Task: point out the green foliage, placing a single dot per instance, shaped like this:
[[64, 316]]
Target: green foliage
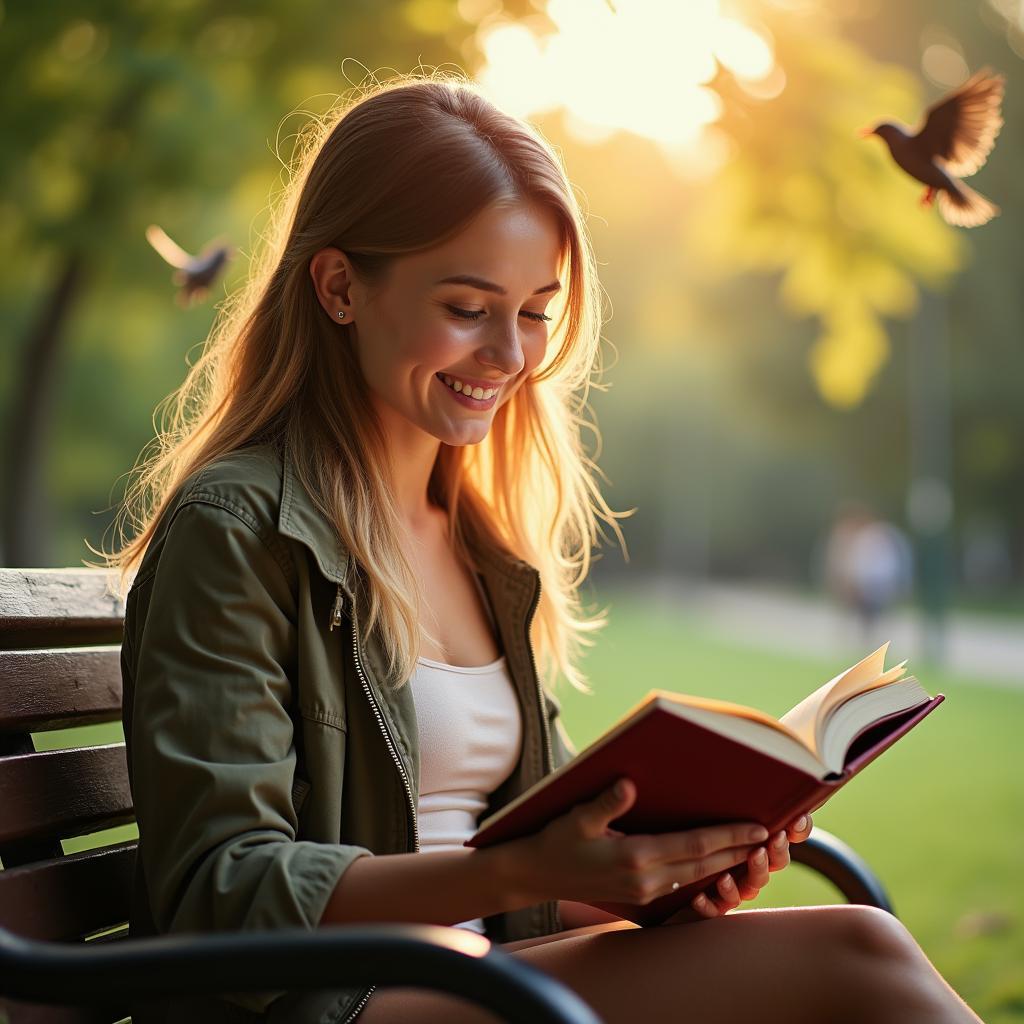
[[738, 301], [806, 196], [180, 114]]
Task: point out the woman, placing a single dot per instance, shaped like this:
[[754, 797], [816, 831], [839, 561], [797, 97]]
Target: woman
[[372, 511]]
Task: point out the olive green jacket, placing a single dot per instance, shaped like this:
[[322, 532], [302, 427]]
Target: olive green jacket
[[267, 749]]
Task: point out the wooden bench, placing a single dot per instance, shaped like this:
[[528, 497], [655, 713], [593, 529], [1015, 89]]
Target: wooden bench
[[65, 954]]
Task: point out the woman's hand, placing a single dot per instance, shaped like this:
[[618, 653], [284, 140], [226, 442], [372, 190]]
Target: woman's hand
[[727, 894], [579, 857]]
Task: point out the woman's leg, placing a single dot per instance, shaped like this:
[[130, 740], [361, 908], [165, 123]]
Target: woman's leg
[[838, 963]]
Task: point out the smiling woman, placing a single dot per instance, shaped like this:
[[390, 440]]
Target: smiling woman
[[384, 435], [417, 328]]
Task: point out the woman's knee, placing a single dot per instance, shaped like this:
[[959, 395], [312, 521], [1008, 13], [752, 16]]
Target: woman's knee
[[870, 930]]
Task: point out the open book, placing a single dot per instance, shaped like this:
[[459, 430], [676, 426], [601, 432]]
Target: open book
[[698, 761]]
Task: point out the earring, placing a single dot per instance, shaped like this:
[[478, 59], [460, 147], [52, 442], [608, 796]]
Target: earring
[[341, 314]]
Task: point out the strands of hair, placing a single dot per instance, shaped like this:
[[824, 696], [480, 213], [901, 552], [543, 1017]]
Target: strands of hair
[[393, 168]]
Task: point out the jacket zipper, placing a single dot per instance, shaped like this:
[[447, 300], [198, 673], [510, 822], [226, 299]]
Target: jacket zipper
[[336, 621], [549, 767], [336, 610], [354, 1012], [553, 918], [379, 716], [392, 749]]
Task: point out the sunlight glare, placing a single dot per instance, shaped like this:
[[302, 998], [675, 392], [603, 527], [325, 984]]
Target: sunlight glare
[[742, 50], [643, 68]]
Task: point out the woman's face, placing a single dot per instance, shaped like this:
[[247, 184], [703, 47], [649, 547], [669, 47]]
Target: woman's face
[[469, 312]]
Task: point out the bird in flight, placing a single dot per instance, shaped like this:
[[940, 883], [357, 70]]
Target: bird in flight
[[194, 275], [956, 138]]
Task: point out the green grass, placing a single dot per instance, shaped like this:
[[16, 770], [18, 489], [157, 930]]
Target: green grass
[[939, 817]]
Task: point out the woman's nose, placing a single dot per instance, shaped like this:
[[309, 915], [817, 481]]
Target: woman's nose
[[504, 353]]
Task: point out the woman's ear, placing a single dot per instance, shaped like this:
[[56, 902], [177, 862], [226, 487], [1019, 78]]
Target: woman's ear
[[332, 278]]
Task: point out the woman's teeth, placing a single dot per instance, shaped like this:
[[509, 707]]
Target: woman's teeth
[[457, 385]]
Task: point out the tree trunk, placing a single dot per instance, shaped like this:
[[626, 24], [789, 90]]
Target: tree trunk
[[27, 539]]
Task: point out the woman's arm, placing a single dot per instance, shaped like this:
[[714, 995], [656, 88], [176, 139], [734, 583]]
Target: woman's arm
[[211, 741], [446, 888], [580, 915]]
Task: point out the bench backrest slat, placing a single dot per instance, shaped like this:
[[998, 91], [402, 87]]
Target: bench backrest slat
[[31, 1013], [68, 897], [63, 606], [55, 689], [63, 793], [60, 637]]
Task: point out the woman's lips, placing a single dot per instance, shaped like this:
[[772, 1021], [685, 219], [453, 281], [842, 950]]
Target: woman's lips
[[466, 400]]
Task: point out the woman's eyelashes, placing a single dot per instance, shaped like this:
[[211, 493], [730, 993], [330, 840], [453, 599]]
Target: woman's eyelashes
[[475, 314]]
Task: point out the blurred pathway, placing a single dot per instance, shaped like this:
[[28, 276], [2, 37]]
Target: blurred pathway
[[978, 647]]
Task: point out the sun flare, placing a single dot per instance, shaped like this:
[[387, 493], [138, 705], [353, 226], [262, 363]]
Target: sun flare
[[643, 68]]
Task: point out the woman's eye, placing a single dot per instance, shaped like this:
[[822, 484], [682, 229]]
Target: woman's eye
[[475, 314]]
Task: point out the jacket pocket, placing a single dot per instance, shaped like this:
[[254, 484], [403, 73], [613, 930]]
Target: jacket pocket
[[334, 717]]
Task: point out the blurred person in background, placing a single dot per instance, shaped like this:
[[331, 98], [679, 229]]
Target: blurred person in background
[[868, 565]]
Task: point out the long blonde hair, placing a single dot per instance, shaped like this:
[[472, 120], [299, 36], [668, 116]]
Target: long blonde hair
[[405, 165]]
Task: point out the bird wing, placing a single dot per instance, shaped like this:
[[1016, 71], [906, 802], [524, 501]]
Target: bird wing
[[166, 246], [961, 128]]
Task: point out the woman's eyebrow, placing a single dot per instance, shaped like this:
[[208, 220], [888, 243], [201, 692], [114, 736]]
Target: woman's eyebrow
[[490, 286]]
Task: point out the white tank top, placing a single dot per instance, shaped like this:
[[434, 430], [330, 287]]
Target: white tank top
[[470, 733]]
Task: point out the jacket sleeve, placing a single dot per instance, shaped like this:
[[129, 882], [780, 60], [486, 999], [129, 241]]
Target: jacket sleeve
[[562, 747], [210, 745]]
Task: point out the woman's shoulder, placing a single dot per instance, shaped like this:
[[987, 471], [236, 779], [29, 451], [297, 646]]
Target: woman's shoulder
[[248, 481], [246, 484]]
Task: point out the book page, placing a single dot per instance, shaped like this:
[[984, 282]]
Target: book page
[[726, 707], [809, 718]]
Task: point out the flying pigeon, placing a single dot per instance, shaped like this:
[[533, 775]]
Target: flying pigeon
[[956, 138], [194, 274]]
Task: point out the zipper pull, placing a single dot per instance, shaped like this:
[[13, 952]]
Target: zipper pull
[[336, 610]]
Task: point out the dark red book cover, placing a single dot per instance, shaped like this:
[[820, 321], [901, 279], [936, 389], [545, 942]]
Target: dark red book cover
[[688, 776]]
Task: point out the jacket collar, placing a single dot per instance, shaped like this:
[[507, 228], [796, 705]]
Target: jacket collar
[[300, 519]]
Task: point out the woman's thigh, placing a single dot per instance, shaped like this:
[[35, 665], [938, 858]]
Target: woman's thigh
[[793, 964]]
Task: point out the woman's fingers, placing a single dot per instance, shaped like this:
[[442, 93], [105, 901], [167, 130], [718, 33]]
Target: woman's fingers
[[778, 852], [704, 906], [727, 893], [698, 845], [758, 867], [593, 816], [800, 828], [728, 897]]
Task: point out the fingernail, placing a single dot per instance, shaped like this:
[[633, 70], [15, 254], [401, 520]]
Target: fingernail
[[620, 789], [801, 823], [779, 841], [727, 881], [761, 856], [700, 900]]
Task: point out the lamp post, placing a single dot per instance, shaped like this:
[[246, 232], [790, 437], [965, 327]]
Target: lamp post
[[930, 491]]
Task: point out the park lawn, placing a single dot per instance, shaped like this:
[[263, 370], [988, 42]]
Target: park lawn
[[938, 817]]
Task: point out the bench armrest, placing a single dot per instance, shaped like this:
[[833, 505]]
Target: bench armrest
[[447, 960], [843, 867]]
